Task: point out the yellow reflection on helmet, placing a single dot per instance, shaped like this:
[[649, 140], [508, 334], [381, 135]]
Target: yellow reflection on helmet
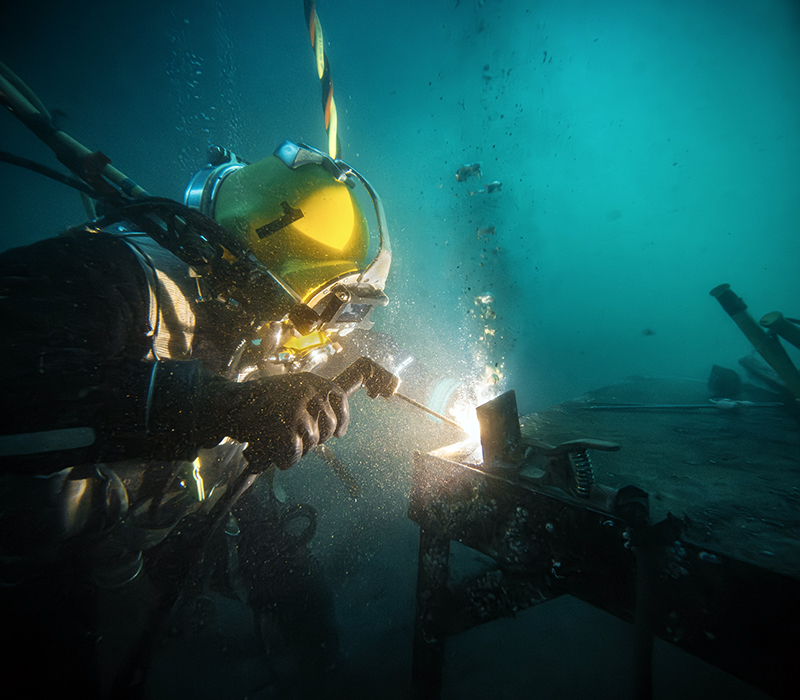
[[305, 226], [328, 216]]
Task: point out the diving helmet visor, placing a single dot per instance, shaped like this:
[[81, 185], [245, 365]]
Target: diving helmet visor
[[307, 232], [296, 156]]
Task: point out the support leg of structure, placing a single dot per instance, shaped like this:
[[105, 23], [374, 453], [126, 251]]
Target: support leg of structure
[[430, 623]]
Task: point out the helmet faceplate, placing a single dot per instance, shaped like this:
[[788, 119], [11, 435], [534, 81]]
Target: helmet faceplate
[[304, 226]]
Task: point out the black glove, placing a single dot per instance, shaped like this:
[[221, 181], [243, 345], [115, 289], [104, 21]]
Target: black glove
[[281, 417]]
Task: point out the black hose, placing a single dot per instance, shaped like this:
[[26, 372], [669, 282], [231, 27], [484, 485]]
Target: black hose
[[200, 224], [21, 162], [192, 236]]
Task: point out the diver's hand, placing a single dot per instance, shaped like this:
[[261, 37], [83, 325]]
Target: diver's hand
[[283, 417], [280, 417]]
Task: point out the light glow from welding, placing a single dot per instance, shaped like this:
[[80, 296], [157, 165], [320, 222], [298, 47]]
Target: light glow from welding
[[464, 410], [464, 413]]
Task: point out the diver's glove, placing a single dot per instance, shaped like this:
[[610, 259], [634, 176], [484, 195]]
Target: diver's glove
[[280, 417]]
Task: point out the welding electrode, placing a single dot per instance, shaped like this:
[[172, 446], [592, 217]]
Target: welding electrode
[[421, 407]]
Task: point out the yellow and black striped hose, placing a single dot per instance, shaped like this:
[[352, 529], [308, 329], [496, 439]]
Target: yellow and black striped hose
[[324, 74]]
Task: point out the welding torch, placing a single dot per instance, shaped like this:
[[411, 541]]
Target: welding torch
[[380, 382], [363, 372]]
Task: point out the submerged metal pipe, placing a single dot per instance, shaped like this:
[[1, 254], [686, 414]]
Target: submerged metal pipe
[[723, 405], [777, 323], [768, 346]]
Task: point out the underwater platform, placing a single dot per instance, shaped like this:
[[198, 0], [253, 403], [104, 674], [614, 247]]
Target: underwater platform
[[644, 499], [709, 496]]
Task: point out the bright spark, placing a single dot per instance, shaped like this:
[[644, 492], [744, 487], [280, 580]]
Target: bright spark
[[464, 413]]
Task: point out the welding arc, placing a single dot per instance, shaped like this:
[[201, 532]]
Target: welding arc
[[431, 412]]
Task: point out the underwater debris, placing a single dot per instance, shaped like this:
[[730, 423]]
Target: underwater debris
[[465, 171], [485, 231], [492, 375], [484, 299], [469, 169], [724, 383], [648, 331]]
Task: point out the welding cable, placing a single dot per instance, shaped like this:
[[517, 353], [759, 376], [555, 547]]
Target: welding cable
[[35, 167], [324, 74], [94, 168]]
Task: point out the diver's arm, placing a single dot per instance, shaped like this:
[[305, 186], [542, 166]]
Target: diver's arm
[[75, 315]]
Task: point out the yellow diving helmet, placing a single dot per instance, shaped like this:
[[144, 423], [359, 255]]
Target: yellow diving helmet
[[295, 212]]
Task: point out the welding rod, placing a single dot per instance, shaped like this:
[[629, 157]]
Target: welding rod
[[430, 411]]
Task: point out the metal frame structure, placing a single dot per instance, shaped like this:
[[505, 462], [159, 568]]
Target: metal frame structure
[[534, 509]]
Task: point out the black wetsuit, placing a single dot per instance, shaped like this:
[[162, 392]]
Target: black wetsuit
[[80, 603]]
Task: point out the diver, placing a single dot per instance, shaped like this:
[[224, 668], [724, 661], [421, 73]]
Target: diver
[[156, 361], [159, 362]]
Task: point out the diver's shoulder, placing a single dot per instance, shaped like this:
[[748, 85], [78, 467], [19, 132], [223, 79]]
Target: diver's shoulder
[[69, 249]]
